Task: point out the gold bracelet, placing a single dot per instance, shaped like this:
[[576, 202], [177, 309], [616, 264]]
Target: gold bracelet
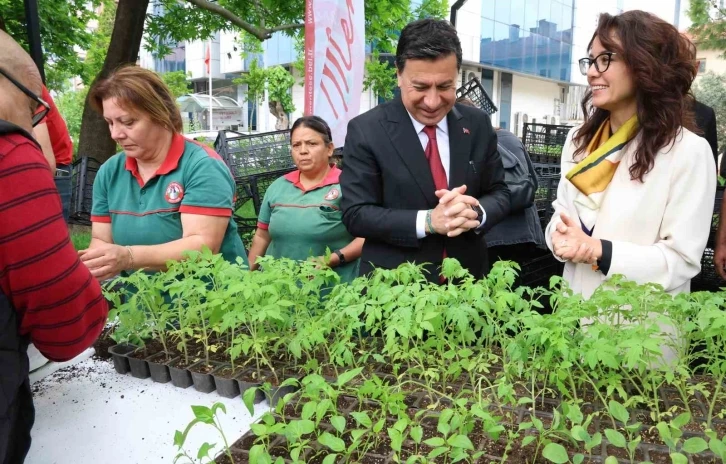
[[131, 255]]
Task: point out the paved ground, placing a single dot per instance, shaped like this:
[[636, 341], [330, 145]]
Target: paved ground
[[89, 414]]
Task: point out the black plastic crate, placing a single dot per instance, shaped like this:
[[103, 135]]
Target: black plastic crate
[[546, 170], [474, 91], [538, 271], [250, 154], [544, 142], [544, 196], [83, 173], [250, 193]]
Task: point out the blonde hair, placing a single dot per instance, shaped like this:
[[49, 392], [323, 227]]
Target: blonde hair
[[139, 89]]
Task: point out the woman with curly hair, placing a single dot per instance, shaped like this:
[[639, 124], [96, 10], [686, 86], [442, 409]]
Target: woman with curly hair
[[637, 192]]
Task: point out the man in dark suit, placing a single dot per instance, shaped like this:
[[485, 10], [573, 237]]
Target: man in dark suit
[[422, 178], [706, 121]]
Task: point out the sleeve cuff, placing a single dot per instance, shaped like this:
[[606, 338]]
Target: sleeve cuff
[[205, 211], [102, 219], [421, 224], [262, 225], [605, 260]]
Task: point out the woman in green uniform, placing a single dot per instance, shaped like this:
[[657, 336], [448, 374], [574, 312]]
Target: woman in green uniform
[[162, 195], [300, 216]]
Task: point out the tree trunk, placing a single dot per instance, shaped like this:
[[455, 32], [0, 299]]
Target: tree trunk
[[283, 122], [95, 139]]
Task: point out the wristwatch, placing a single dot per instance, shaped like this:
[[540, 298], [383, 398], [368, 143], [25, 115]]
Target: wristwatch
[[479, 213], [341, 257]]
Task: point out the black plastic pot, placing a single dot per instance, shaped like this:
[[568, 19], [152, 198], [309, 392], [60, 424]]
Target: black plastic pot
[[277, 393], [119, 354], [158, 368], [139, 367], [245, 385], [226, 386], [180, 377], [203, 382]]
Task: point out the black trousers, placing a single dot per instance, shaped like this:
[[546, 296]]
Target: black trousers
[[16, 425]]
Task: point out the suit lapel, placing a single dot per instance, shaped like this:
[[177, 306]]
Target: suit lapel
[[459, 148], [404, 139]]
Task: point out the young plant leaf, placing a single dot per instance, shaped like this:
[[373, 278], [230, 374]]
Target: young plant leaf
[[555, 453], [695, 445], [618, 411], [416, 433], [615, 438], [332, 442], [460, 441], [204, 414], [362, 419], [204, 450], [435, 441], [338, 423], [578, 458], [248, 398], [678, 458], [528, 440], [330, 459]]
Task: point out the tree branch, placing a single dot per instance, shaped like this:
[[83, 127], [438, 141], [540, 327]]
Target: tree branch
[[260, 33], [285, 27]]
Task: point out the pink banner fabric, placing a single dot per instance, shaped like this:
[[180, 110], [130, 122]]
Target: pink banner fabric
[[334, 62]]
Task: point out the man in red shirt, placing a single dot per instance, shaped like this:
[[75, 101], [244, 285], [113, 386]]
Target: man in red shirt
[[47, 296], [55, 141]]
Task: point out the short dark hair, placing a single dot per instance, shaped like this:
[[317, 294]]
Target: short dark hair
[[315, 123], [427, 39]]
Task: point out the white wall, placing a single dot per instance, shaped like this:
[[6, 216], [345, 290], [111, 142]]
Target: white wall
[[534, 97], [229, 59], [196, 52]]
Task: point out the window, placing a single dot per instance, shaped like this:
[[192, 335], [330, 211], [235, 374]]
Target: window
[[701, 65]]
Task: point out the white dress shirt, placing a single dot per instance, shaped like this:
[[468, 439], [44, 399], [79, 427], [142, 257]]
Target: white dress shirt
[[442, 140]]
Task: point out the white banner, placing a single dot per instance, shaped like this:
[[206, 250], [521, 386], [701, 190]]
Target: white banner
[[334, 62]]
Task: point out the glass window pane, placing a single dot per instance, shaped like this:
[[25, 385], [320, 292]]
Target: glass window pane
[[543, 52], [501, 40], [516, 48], [566, 17], [486, 48], [516, 15], [501, 12], [529, 53], [543, 12], [487, 8], [556, 15], [530, 15]]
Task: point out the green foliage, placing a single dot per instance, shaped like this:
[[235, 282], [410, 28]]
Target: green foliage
[[710, 89], [80, 240], [62, 28], [177, 82], [99, 42], [471, 355], [380, 77], [708, 26], [279, 85], [70, 105], [256, 80]]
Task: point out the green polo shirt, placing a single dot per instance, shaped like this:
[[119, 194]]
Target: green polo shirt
[[193, 179], [303, 223]]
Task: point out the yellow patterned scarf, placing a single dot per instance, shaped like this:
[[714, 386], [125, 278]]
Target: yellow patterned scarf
[[593, 174]]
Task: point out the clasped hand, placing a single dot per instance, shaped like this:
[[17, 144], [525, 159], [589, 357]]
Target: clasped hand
[[454, 214], [571, 243]]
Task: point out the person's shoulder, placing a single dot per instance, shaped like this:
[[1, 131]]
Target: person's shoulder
[[688, 141], [374, 114], [17, 149]]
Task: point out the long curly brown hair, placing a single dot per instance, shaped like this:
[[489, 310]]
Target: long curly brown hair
[[662, 63]]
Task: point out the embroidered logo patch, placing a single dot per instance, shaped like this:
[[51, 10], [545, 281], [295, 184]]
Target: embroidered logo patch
[[174, 192], [332, 194]]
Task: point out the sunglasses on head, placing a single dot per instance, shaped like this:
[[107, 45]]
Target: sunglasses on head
[[39, 115]]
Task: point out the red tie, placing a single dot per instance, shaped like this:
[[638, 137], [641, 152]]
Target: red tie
[[432, 154], [436, 166]]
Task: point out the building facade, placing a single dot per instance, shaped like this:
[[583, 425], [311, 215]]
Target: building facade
[[525, 53]]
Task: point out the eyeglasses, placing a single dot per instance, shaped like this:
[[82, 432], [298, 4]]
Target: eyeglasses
[[601, 62], [38, 115]]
